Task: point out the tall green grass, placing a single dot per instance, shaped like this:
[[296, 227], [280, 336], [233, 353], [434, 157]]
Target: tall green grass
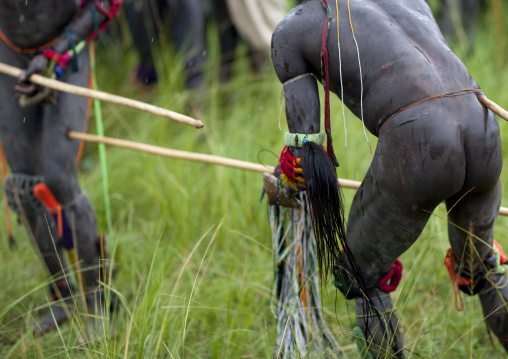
[[193, 257]]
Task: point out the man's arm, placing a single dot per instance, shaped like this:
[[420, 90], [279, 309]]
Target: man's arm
[[300, 87], [94, 16]]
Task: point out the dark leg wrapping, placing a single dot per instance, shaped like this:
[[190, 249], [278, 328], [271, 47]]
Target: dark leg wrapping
[[378, 333], [18, 189], [378, 321], [488, 280]]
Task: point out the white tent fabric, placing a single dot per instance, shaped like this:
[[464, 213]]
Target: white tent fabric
[[256, 20]]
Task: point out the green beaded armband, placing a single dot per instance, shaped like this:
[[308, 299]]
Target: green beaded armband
[[296, 139]]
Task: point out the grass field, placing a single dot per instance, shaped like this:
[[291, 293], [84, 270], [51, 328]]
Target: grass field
[[191, 241]]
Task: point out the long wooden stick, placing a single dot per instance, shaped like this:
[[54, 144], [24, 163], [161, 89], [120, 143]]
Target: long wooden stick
[[168, 152], [103, 96], [498, 110], [184, 155], [200, 157]]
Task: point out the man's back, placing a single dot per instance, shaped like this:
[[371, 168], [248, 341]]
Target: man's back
[[404, 58]]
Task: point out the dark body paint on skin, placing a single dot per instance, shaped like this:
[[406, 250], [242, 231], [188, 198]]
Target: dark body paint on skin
[[436, 151], [35, 138]]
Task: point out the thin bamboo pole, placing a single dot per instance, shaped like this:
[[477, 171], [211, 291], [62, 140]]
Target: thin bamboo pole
[[184, 155], [103, 96], [200, 157], [168, 152], [491, 105]]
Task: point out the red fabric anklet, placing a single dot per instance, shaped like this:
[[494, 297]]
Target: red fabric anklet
[[393, 276]]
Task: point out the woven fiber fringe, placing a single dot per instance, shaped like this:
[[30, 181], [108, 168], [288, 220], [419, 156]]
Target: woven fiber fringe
[[301, 331]]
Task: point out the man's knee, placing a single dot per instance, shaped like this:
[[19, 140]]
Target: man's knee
[[64, 186], [350, 287]]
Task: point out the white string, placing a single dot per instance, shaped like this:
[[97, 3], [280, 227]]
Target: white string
[[280, 103], [361, 92], [282, 93], [361, 78], [340, 77], [342, 96]]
